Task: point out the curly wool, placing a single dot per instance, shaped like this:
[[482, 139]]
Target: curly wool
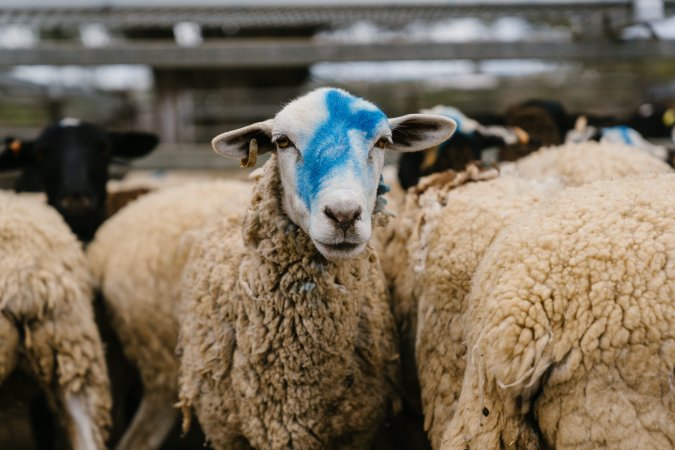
[[399, 268], [587, 162], [46, 316], [137, 258], [439, 240], [282, 348], [572, 316], [454, 228]]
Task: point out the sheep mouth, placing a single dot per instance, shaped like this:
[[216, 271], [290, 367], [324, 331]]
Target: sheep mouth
[[340, 250], [341, 246]]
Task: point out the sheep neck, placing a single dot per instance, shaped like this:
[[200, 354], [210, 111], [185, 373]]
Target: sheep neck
[[298, 298]]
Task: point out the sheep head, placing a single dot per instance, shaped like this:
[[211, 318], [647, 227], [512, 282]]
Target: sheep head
[[330, 147], [69, 160]]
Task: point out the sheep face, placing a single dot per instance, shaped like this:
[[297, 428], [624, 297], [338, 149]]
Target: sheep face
[[330, 147], [69, 161]]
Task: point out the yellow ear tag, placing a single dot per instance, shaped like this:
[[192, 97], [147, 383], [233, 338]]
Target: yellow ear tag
[[252, 157], [669, 117], [522, 135], [15, 147], [430, 156]]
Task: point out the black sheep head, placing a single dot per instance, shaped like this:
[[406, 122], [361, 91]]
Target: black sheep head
[[69, 162]]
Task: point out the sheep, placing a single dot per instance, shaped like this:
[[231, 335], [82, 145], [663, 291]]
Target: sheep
[[654, 120], [69, 161], [440, 237], [137, 258], [571, 325], [454, 218], [47, 328], [581, 163], [545, 121], [621, 134], [465, 146], [287, 339]]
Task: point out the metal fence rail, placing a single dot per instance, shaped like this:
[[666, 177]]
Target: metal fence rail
[[300, 53], [317, 16]]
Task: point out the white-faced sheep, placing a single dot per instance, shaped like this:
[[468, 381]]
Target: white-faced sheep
[[465, 146], [571, 325], [137, 257], [154, 226], [47, 327], [288, 340], [617, 134]]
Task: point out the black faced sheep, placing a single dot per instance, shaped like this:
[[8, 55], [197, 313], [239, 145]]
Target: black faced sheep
[[69, 161]]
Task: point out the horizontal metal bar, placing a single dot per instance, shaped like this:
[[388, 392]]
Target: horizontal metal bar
[[300, 53], [279, 15]]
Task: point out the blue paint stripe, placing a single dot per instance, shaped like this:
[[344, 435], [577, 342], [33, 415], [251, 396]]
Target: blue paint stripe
[[329, 152]]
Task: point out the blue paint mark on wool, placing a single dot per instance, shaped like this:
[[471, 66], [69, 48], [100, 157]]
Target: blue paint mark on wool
[[330, 147], [623, 131], [382, 188]]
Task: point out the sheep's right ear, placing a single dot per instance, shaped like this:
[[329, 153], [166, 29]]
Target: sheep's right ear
[[16, 153], [246, 143]]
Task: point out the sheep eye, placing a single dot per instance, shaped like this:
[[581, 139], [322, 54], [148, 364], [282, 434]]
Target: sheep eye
[[382, 142], [283, 142]]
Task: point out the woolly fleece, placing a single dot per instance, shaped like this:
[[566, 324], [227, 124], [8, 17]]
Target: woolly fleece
[[281, 348], [587, 162], [138, 256], [572, 317], [453, 231], [46, 317]]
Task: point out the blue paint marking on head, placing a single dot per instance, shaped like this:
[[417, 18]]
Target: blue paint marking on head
[[330, 148]]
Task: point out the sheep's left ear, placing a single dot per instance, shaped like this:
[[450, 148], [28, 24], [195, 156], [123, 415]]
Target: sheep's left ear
[[132, 144], [416, 132]]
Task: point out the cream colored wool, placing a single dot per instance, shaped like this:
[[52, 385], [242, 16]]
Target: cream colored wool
[[454, 228], [572, 317], [399, 270], [138, 257], [587, 162], [383, 236], [282, 348], [47, 323], [437, 244]]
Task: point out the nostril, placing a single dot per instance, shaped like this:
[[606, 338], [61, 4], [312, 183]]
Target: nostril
[[343, 219], [328, 212], [77, 202]]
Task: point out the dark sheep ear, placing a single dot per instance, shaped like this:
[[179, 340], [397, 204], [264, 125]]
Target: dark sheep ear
[[16, 153], [132, 144]]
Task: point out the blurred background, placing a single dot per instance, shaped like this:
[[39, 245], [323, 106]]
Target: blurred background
[[190, 70]]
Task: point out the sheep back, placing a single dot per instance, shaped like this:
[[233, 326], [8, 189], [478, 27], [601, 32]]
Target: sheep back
[[572, 317], [138, 257], [454, 230], [46, 310], [587, 162]]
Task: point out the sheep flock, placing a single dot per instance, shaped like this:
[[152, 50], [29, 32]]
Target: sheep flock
[[509, 285]]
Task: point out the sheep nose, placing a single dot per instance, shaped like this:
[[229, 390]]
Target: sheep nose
[[76, 203], [343, 218]]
